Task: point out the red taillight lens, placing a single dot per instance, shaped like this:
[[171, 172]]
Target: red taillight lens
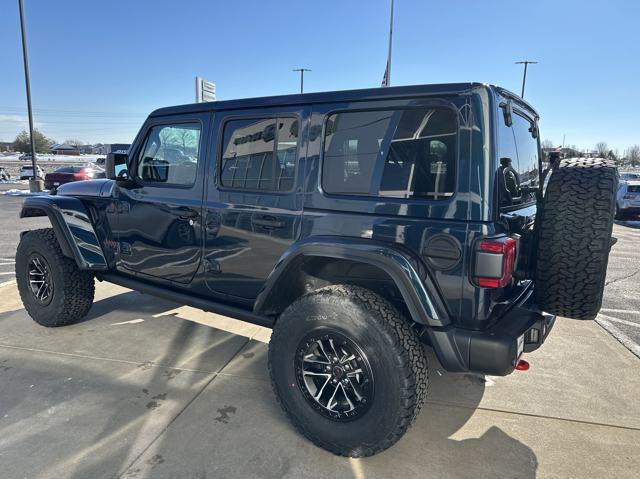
[[495, 262]]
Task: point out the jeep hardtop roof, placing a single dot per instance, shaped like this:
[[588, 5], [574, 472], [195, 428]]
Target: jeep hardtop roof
[[337, 96]]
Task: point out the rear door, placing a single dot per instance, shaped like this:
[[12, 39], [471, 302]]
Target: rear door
[[253, 207], [159, 223]]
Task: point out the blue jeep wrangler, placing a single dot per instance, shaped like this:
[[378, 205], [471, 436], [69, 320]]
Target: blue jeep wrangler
[[361, 226]]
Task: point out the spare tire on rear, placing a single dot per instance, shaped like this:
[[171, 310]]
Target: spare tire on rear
[[574, 237]]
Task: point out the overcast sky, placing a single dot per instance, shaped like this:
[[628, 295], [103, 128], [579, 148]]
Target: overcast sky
[[98, 68]]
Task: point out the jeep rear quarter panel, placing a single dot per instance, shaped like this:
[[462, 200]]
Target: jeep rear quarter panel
[[418, 224]]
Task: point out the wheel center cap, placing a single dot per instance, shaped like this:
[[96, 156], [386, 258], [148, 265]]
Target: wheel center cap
[[338, 372]]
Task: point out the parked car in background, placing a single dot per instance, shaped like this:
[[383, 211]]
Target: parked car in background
[[68, 174], [629, 176], [628, 198], [25, 157], [26, 172]]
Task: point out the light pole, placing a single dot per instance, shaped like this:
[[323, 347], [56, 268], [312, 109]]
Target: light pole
[[301, 70], [34, 184], [524, 78]]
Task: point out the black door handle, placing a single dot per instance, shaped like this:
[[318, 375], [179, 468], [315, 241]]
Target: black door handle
[[268, 222]]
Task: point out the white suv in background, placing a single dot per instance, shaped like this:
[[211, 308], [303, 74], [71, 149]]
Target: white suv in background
[[26, 172]]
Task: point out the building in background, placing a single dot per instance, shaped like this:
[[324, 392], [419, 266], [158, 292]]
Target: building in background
[[64, 149]]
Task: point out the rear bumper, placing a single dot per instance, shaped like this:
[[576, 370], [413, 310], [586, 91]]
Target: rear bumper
[[495, 350]]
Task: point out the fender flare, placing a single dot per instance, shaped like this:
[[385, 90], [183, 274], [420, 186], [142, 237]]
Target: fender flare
[[418, 290], [73, 228]]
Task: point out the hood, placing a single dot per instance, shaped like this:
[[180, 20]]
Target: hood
[[99, 187]]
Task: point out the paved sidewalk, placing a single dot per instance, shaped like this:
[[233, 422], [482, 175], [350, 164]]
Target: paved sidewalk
[[146, 389]]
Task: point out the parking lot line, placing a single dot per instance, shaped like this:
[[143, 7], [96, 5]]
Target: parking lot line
[[619, 335], [621, 321], [627, 311]]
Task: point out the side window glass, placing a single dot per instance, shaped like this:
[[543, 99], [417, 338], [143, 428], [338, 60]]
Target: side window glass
[[414, 150], [518, 173], [170, 155], [259, 154], [528, 158]]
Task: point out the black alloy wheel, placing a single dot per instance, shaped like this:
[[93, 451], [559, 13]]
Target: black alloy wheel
[[334, 375], [39, 277]]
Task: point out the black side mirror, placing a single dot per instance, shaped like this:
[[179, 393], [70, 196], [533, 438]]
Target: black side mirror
[[116, 166], [506, 112]]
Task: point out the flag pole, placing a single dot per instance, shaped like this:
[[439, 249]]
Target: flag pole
[[386, 80]]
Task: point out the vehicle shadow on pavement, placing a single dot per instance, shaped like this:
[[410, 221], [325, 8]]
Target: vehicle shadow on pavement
[[456, 442], [199, 404]]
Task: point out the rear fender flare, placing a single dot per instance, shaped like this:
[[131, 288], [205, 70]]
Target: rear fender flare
[[73, 228], [418, 290]]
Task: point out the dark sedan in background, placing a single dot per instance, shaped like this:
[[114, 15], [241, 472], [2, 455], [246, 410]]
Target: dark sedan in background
[[72, 173]]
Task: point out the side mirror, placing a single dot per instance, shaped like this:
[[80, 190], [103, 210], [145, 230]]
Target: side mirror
[[116, 166]]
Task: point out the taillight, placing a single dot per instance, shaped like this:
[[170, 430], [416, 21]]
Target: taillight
[[494, 262], [83, 174]]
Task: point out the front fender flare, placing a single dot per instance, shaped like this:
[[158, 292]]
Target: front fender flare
[[73, 228], [418, 290]]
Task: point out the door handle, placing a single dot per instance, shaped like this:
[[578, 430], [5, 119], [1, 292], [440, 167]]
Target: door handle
[[268, 222]]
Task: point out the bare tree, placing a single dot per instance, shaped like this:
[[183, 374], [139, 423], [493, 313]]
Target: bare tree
[[633, 155], [74, 142], [548, 144], [602, 148]]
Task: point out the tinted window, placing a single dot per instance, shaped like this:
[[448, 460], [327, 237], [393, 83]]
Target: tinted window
[[518, 172], [170, 155], [528, 159], [68, 169], [634, 189], [392, 153], [259, 154]]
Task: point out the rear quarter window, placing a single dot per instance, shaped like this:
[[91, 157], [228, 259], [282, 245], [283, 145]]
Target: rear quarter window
[[409, 153]]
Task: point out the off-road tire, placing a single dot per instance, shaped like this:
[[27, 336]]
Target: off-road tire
[[73, 289], [396, 355], [574, 237]]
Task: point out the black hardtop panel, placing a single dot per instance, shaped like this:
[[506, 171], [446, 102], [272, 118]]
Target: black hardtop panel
[[322, 97]]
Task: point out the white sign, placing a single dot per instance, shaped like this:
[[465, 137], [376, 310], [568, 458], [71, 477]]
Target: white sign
[[205, 90]]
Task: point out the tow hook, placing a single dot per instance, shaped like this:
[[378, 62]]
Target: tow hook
[[522, 365]]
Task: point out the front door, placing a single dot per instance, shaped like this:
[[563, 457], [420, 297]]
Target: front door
[[253, 208], [159, 214]]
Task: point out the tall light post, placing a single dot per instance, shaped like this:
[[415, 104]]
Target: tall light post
[[386, 79], [34, 184], [301, 70], [526, 63]]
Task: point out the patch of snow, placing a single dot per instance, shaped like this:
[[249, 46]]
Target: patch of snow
[[16, 192]]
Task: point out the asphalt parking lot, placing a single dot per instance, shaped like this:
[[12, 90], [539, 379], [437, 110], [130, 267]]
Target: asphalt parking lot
[[144, 388]]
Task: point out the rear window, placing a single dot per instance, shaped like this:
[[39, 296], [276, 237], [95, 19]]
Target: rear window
[[391, 153], [68, 169], [633, 188]]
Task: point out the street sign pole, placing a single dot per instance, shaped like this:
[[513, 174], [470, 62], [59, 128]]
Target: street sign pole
[[205, 90], [34, 183]]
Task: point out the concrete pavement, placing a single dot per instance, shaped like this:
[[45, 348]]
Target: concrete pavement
[[147, 389]]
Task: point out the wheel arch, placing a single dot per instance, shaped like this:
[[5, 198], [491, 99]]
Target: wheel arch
[[72, 226], [316, 262]]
